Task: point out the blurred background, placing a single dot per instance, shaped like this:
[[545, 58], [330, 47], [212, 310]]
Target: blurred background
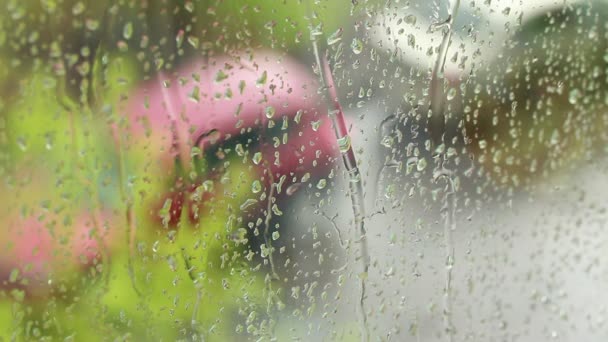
[[332, 170]]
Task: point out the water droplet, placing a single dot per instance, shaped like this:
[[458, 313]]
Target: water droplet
[[22, 143], [356, 46], [554, 138], [14, 275], [257, 158], [280, 183], [262, 80], [276, 210], [411, 40], [387, 141], [275, 236], [410, 19], [239, 150], [315, 125], [298, 116], [573, 96], [248, 203], [92, 24], [389, 191], [127, 31], [179, 38], [321, 184], [451, 94], [306, 177], [361, 92], [316, 31], [194, 95], [220, 76], [189, 6], [78, 8], [344, 143], [165, 212], [193, 41], [421, 165], [49, 141], [335, 37], [256, 186], [293, 188], [208, 186], [269, 111]]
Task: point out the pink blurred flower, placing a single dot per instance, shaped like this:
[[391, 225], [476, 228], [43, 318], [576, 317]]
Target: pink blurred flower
[[39, 251]]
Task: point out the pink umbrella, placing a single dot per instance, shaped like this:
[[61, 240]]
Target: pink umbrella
[[207, 102]]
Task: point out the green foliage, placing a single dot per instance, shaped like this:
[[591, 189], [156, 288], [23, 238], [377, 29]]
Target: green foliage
[[164, 283]]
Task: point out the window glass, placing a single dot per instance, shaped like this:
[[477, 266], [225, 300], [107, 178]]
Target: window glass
[[357, 170]]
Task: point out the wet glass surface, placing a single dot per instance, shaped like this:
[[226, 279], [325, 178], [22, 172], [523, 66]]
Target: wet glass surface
[[303, 170]]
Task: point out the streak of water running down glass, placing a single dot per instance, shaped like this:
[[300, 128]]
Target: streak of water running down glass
[[354, 175], [436, 86], [449, 225], [437, 127]]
